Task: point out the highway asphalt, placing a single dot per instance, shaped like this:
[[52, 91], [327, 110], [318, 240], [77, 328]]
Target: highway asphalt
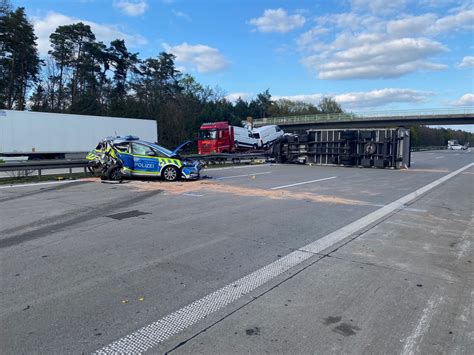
[[255, 259]]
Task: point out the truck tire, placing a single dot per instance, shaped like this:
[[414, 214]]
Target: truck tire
[[170, 173]]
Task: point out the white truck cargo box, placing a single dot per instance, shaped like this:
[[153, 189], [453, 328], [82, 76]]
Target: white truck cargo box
[[27, 132]]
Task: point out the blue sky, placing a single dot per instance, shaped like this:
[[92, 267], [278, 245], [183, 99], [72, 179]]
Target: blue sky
[[368, 54]]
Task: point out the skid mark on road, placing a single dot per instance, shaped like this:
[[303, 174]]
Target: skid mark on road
[[56, 224], [187, 187]]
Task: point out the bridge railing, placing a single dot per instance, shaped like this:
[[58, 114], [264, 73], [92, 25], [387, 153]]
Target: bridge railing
[[369, 115]]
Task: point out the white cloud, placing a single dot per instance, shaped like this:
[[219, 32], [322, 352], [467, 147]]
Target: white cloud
[[367, 46], [131, 7], [310, 36], [200, 57], [467, 62], [433, 3], [465, 100], [307, 98], [463, 20], [431, 24], [382, 97], [181, 14], [365, 99], [351, 21], [277, 20], [232, 97], [384, 59], [379, 6], [106, 33], [411, 24]]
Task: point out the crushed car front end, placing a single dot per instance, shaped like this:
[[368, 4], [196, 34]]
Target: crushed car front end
[[191, 169]]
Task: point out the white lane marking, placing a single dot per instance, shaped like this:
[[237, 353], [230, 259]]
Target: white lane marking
[[409, 209], [242, 167], [465, 244], [405, 208], [39, 184], [157, 332], [303, 183], [464, 248], [191, 194], [422, 327], [244, 175], [440, 157]]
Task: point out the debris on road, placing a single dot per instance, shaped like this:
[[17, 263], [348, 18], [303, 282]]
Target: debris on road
[[181, 188]]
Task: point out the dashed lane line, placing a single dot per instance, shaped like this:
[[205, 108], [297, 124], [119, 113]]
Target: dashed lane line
[[303, 183]]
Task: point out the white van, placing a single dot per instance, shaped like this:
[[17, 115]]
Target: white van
[[244, 139], [458, 147], [267, 135]]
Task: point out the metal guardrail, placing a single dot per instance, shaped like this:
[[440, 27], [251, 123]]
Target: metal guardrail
[[40, 165], [233, 157], [43, 165], [370, 115]]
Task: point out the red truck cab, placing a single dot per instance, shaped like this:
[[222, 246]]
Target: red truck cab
[[216, 137]]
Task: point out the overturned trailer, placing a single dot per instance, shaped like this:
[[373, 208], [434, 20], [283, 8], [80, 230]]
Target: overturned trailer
[[379, 148]]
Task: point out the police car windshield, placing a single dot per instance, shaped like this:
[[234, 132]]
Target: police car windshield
[[161, 149]]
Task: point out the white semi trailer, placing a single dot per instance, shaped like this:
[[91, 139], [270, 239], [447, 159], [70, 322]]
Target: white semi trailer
[[40, 135]]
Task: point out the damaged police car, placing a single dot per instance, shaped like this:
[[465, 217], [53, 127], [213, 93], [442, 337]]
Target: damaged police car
[[118, 157]]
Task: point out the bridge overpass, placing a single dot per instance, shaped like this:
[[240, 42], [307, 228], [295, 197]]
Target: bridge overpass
[[374, 119]]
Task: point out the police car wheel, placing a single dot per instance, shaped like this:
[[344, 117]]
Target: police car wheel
[[114, 173], [170, 173]]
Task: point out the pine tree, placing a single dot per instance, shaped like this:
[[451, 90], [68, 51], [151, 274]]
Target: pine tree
[[19, 60], [5, 7], [123, 62]]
